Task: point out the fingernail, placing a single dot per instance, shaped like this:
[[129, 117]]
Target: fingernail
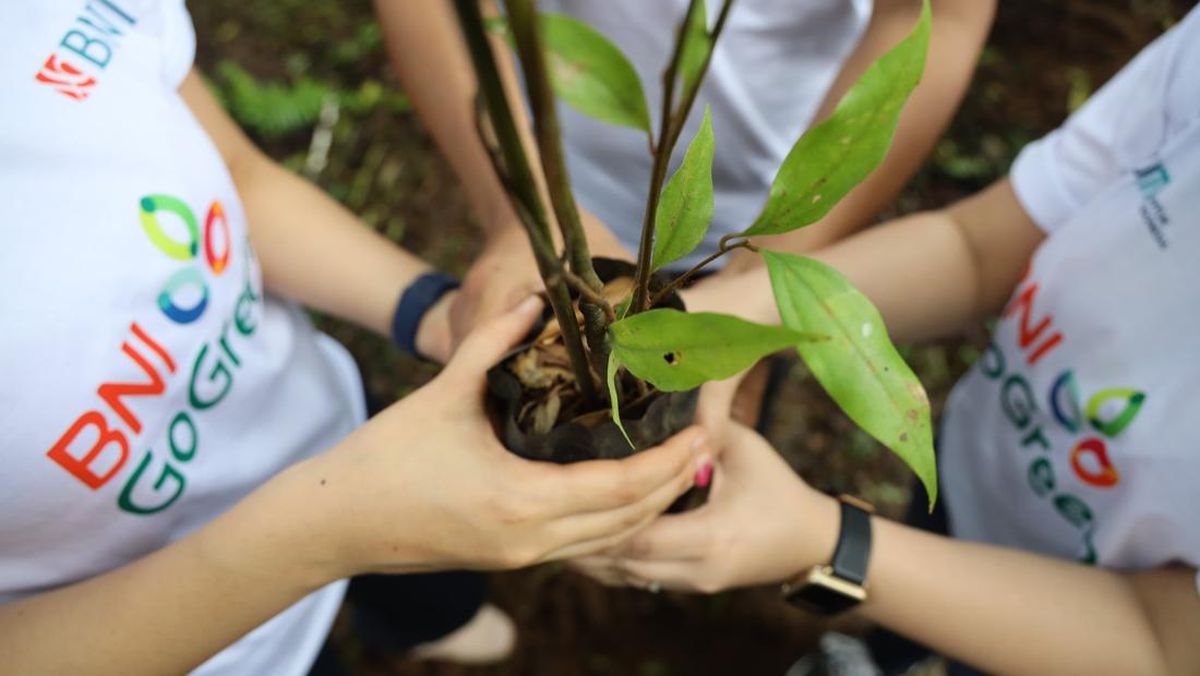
[[704, 474], [700, 440]]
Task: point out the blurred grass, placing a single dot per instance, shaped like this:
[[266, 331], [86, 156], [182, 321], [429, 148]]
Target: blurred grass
[[294, 72]]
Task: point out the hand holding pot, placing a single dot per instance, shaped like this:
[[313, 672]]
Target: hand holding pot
[[505, 272], [738, 399], [426, 484], [761, 524], [502, 274], [435, 337]]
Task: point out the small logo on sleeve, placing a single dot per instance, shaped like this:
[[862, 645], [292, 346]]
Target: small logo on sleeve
[[1150, 182], [86, 49]]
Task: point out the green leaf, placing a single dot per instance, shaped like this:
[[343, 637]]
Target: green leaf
[[859, 367], [686, 205], [588, 72], [622, 308], [676, 351], [696, 44], [833, 157], [614, 396]]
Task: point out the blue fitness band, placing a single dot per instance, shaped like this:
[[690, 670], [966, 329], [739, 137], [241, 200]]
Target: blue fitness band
[[416, 300]]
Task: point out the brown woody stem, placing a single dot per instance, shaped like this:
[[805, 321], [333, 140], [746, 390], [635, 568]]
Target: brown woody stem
[[526, 31], [523, 191], [670, 127], [689, 96], [658, 171], [588, 294]]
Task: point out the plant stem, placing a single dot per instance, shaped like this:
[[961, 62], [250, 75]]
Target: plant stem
[[670, 127], [526, 31], [589, 295], [590, 299], [658, 171], [689, 96], [523, 191], [683, 279]]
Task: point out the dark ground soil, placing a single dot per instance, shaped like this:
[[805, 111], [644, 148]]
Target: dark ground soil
[[1045, 56]]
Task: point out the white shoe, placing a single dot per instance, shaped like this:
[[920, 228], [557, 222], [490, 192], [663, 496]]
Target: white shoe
[[488, 638]]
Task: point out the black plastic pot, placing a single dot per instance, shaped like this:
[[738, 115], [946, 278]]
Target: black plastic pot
[[593, 435]]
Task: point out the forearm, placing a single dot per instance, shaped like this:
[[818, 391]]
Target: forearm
[[930, 274], [915, 270], [313, 250], [170, 610], [1007, 611], [310, 248], [431, 61], [1000, 610]]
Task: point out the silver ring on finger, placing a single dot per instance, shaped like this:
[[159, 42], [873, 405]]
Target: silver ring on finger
[[654, 587]]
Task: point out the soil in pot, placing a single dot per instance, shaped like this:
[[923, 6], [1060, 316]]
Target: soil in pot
[[539, 415]]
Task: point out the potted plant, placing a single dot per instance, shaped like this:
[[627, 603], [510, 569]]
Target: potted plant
[[618, 362]]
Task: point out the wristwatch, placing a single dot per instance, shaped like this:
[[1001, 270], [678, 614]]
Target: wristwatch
[[841, 584]]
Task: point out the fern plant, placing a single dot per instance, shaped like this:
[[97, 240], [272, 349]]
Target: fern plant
[[269, 109]]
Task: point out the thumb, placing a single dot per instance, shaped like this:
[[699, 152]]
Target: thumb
[[716, 402], [484, 346]]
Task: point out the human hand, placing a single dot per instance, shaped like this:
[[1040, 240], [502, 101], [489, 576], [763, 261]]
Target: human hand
[[761, 524], [434, 335], [506, 271], [738, 398], [426, 485], [503, 273]]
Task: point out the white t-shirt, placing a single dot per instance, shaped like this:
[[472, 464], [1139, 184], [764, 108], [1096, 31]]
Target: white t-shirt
[[1073, 435], [773, 66], [149, 382]]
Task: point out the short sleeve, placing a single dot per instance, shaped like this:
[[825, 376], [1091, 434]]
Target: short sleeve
[[1120, 129], [178, 43]]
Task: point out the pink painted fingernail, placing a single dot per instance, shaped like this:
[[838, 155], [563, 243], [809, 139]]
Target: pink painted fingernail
[[704, 474]]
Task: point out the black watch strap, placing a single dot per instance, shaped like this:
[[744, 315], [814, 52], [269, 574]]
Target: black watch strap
[[854, 542]]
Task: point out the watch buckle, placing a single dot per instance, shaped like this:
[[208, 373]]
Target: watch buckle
[[823, 576], [857, 502]]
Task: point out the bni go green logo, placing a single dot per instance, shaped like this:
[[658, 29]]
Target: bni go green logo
[[185, 294]]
